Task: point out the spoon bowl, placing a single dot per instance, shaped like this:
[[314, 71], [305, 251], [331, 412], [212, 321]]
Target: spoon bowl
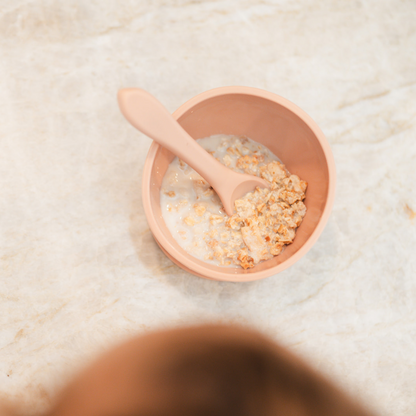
[[285, 130]]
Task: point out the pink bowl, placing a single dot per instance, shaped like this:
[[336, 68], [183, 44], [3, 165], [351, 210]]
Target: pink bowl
[[268, 119]]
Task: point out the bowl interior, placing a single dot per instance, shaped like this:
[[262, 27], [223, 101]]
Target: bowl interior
[[273, 125]]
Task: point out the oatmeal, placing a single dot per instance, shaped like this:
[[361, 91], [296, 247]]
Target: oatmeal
[[264, 221]]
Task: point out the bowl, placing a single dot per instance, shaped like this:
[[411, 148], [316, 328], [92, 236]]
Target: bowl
[[279, 125]]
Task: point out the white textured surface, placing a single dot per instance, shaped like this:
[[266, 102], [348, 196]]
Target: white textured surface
[[79, 267]]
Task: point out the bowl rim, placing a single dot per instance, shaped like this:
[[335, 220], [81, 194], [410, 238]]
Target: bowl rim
[[240, 275]]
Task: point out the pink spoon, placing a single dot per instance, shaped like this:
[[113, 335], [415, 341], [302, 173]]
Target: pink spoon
[[148, 115]]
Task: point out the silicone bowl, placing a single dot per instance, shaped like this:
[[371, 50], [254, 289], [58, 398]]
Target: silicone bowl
[[268, 119]]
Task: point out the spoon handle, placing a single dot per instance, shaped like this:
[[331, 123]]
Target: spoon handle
[[149, 116]]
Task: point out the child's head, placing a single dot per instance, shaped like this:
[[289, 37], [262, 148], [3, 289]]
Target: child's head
[[209, 370]]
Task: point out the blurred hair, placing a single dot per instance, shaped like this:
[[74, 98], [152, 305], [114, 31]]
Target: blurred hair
[[233, 375], [207, 370]]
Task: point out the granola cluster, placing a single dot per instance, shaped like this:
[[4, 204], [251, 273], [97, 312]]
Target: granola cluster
[[265, 220]]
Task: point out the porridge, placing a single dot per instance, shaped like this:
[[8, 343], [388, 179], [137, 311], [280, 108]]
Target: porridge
[[264, 221]]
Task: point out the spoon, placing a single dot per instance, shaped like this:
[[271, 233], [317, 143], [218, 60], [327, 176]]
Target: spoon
[[148, 115]]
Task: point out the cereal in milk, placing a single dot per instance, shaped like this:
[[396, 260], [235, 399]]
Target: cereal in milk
[[264, 221]]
